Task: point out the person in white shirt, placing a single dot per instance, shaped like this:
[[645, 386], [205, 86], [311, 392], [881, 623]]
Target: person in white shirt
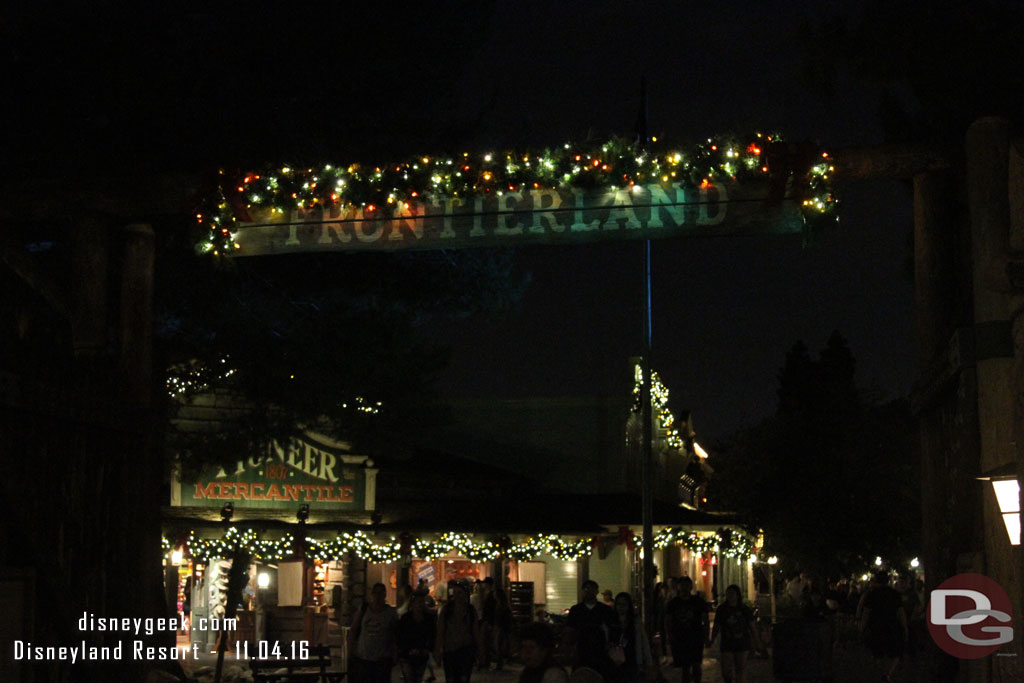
[[795, 588], [372, 639]]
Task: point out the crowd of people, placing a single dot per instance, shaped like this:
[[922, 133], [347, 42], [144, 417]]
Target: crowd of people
[[469, 630], [602, 640], [599, 640], [886, 616]]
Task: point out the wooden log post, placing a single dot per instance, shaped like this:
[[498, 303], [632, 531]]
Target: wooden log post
[[945, 397], [988, 198], [89, 266], [137, 314], [935, 242], [143, 465], [1016, 314]]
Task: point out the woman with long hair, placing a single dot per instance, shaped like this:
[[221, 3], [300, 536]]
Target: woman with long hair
[[629, 647], [735, 621]]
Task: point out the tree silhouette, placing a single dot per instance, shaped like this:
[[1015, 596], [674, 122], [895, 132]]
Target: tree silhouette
[[831, 478]]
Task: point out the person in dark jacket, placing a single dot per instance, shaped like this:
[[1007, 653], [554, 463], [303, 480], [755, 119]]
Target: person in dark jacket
[[590, 620], [458, 636], [416, 637], [884, 623], [687, 627], [502, 626]]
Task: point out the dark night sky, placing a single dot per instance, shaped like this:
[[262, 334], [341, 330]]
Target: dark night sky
[[105, 88], [725, 309]]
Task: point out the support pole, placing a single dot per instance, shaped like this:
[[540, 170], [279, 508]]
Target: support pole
[[647, 454]]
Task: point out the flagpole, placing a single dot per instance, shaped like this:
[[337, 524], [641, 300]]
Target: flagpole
[[647, 433], [647, 462]]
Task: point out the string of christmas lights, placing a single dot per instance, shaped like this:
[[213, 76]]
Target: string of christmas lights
[[659, 405], [552, 545], [207, 549], [204, 550], [186, 379], [359, 543], [729, 543], [378, 191], [476, 552]]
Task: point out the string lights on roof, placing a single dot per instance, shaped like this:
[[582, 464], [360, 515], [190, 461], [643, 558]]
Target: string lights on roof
[[382, 191], [205, 549], [358, 543], [187, 379], [730, 543]]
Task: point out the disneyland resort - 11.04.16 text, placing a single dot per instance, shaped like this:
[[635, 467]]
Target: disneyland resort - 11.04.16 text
[[137, 649]]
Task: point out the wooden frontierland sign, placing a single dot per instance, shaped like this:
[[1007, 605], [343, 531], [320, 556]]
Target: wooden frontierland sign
[[518, 218]]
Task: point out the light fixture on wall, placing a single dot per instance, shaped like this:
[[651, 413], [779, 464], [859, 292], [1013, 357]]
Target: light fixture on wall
[[303, 513], [1007, 490]]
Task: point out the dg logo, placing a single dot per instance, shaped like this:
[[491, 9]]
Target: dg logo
[[970, 616]]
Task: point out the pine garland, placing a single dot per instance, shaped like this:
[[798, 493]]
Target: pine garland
[[617, 163]]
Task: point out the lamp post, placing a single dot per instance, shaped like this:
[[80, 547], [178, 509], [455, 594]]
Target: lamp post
[[1007, 489], [262, 582], [772, 561]]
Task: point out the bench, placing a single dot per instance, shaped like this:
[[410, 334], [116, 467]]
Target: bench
[[313, 668]]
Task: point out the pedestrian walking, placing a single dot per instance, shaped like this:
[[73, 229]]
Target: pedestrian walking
[[372, 639], [658, 647], [687, 628], [735, 622], [488, 619], [883, 624], [630, 649], [796, 587], [502, 627], [458, 636], [537, 650], [404, 597], [416, 637], [592, 658], [589, 622]]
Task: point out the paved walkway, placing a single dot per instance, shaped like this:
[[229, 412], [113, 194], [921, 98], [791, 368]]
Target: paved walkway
[[851, 665]]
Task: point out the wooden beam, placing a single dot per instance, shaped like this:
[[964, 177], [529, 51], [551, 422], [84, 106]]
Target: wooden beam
[[29, 269], [890, 161]]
